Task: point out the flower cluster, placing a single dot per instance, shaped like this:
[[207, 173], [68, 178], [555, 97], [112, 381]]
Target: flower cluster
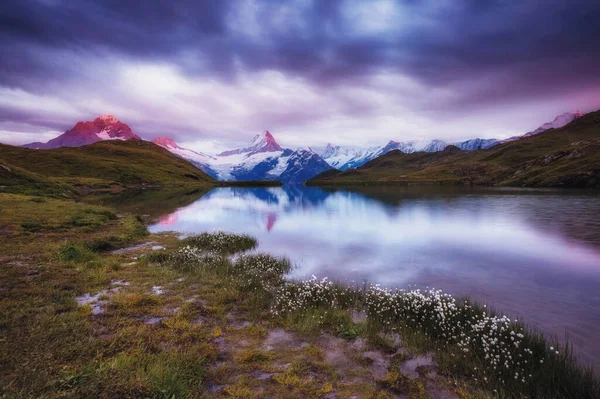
[[221, 242], [313, 293], [193, 258], [261, 271], [498, 342]]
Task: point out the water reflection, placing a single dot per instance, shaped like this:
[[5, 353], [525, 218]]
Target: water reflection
[[530, 253]]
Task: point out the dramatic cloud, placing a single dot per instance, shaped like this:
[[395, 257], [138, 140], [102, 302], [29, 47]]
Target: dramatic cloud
[[213, 73]]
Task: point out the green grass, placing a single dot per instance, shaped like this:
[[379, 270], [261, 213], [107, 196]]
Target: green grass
[[100, 166], [566, 157]]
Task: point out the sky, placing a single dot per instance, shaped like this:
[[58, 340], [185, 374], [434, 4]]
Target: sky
[[211, 74]]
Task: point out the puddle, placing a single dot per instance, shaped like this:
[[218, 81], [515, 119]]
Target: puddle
[[132, 248], [158, 290], [96, 305], [261, 376], [128, 264], [97, 309], [151, 321], [333, 348], [173, 310], [88, 298], [157, 247], [120, 282], [409, 368], [278, 337], [380, 364]]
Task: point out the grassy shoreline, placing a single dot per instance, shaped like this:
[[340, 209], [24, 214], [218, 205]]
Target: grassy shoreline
[[92, 305]]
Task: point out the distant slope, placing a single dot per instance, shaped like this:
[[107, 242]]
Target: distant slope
[[565, 157], [104, 164]]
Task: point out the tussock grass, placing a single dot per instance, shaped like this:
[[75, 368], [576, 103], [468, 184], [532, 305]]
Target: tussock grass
[[221, 243]]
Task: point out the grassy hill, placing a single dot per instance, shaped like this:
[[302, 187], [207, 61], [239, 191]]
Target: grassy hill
[[566, 157], [69, 171]]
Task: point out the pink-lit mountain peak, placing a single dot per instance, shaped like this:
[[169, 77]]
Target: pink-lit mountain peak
[[263, 142], [107, 119], [170, 144], [166, 142], [105, 127], [558, 122]]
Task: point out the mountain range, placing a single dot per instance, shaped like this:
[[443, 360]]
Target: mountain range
[[349, 158], [567, 156], [265, 159]]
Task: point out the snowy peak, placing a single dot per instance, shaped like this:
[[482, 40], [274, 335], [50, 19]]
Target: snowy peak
[[170, 144], [476, 144], [110, 128], [558, 122], [329, 151], [107, 119], [263, 142], [166, 142]]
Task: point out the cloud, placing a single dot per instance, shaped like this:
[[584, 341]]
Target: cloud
[[353, 71]]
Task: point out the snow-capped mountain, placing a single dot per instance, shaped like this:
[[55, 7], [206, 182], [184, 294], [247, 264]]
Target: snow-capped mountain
[[260, 143], [476, 144], [105, 127], [263, 159], [349, 158], [558, 122], [303, 165]]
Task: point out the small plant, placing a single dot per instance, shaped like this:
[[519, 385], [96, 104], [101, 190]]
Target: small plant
[[222, 243], [347, 332], [71, 252]]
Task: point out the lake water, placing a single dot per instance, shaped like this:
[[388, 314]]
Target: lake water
[[530, 253]]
